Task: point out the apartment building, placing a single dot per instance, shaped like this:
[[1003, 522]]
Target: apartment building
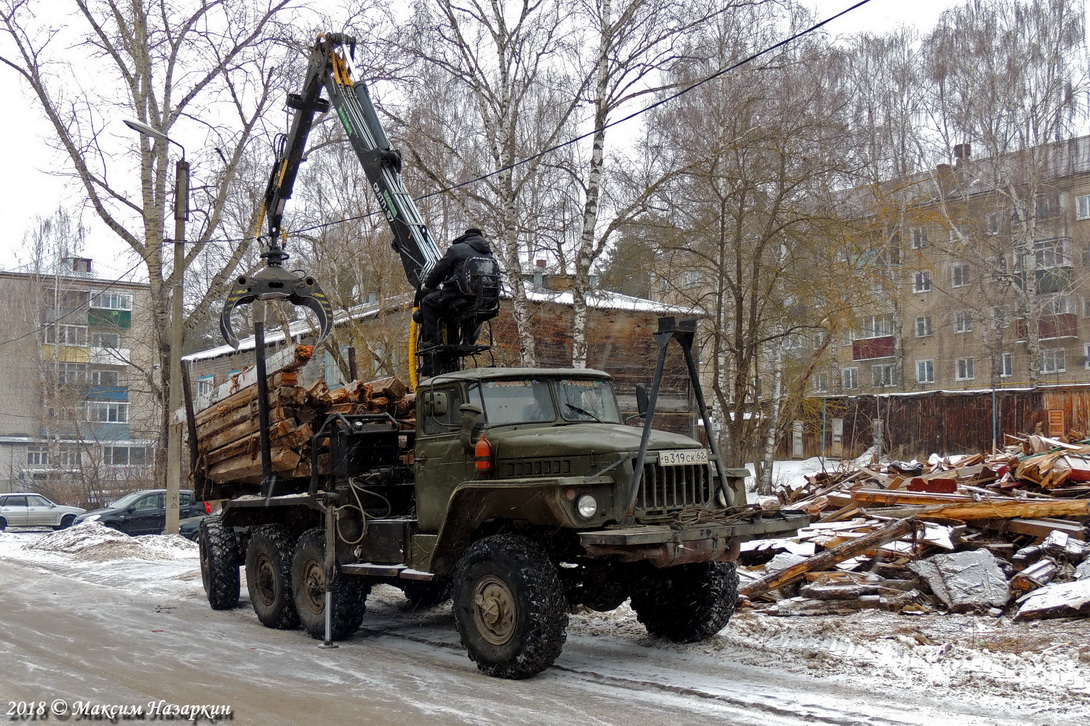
[[979, 286], [77, 419]]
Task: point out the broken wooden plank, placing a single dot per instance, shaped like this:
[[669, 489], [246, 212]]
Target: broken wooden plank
[[828, 558]]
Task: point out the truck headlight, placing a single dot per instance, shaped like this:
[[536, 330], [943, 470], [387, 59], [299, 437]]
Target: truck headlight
[[586, 506]]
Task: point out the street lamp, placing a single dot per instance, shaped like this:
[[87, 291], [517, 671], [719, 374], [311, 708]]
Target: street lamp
[[174, 396]]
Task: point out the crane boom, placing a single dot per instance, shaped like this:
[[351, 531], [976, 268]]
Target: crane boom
[[329, 69]]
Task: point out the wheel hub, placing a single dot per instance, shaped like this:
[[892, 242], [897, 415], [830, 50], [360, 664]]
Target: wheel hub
[[313, 585], [266, 580], [494, 610]]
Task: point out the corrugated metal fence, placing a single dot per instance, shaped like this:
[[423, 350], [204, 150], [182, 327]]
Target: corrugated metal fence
[[942, 422]]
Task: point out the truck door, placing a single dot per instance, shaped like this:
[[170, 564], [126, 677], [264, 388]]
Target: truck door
[[441, 461]]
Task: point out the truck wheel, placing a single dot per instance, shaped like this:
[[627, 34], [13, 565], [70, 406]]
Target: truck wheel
[[268, 576], [426, 595], [219, 563], [687, 603], [308, 580], [509, 606]]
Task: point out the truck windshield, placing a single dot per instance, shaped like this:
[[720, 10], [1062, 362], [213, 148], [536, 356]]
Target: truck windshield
[[587, 400], [513, 402]]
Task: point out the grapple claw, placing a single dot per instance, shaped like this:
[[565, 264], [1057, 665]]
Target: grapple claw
[[276, 283]]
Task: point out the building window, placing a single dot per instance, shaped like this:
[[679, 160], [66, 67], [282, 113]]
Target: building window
[[106, 378], [925, 371], [896, 255], [959, 234], [66, 334], [819, 339], [107, 411], [1058, 305], [37, 456], [923, 326], [821, 383], [205, 385], [1082, 206], [884, 375], [921, 281], [68, 373], [1006, 365], [850, 378], [963, 369], [1001, 317], [105, 340], [125, 456], [1050, 253], [1053, 360], [995, 223], [112, 301], [68, 457], [875, 326], [960, 274], [690, 279], [1047, 205], [919, 237], [963, 321]]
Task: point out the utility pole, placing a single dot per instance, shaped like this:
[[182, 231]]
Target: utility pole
[[174, 393]]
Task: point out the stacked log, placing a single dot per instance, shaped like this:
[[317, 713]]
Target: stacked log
[[228, 429]]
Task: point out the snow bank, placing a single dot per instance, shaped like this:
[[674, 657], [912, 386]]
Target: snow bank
[[97, 542]]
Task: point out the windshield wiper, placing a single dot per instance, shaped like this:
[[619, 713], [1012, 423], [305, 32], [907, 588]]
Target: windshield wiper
[[582, 411]]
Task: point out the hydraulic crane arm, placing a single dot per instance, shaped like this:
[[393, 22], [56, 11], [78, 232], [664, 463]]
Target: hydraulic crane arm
[[329, 68]]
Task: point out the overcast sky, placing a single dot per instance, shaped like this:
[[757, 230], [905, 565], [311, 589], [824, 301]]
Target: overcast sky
[[28, 190]]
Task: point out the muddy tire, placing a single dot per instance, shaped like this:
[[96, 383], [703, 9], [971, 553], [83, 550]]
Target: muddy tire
[[268, 576], [3, 524], [687, 603], [509, 607], [426, 595], [219, 563], [308, 581]]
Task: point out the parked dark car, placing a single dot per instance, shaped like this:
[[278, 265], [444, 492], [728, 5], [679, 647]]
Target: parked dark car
[[143, 512], [30, 509], [190, 527]]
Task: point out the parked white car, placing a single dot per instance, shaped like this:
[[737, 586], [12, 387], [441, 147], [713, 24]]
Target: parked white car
[[30, 509]]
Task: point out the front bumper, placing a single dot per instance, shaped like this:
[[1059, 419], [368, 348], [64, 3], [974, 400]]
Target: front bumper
[[678, 543]]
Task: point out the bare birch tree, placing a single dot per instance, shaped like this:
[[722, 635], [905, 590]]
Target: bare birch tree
[[192, 69]]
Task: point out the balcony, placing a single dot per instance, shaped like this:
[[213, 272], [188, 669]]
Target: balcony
[[110, 356], [871, 348], [107, 393], [1050, 327]]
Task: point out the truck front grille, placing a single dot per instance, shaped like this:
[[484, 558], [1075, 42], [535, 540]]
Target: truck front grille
[[667, 489]]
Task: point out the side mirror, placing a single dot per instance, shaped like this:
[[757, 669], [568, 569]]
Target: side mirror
[[436, 403], [471, 425], [642, 401]]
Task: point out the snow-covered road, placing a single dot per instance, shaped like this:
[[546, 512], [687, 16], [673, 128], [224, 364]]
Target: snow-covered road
[[124, 622]]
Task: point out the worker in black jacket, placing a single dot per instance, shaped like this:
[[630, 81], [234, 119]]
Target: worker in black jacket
[[441, 285]]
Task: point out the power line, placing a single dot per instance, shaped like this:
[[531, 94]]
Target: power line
[[588, 134]]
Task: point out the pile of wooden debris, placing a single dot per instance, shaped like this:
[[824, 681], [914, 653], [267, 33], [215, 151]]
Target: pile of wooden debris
[[228, 436], [1004, 533]]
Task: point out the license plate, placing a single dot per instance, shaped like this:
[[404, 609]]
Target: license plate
[[683, 457]]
